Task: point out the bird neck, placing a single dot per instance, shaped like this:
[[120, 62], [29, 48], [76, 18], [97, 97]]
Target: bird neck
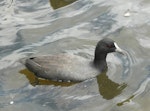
[[100, 62]]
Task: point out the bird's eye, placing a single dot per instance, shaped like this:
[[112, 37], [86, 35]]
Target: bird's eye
[[110, 45]]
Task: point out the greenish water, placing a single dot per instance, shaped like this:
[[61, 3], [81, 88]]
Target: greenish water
[[60, 3]]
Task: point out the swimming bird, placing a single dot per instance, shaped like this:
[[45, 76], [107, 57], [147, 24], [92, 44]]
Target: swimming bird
[[69, 67]]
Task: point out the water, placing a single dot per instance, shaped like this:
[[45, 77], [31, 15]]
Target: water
[[30, 28]]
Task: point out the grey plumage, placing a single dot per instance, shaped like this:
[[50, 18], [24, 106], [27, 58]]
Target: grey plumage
[[72, 67]]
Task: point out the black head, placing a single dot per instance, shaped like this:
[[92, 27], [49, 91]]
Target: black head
[[104, 47]]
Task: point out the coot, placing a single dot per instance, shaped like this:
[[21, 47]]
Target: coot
[[68, 67]]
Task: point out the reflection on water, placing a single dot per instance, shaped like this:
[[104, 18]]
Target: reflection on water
[[31, 28], [60, 3], [38, 81], [125, 101], [139, 91], [108, 88]]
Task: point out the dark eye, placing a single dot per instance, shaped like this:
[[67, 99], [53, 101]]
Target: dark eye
[[110, 45]]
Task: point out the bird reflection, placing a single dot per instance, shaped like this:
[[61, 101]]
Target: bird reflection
[[38, 81], [108, 88]]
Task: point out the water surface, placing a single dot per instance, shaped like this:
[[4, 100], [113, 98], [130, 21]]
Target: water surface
[[29, 28]]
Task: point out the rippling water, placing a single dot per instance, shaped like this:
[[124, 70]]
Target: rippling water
[[33, 28]]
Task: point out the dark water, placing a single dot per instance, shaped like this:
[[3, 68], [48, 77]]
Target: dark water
[[34, 28]]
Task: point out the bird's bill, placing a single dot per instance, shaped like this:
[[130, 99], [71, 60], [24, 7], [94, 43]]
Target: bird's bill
[[118, 49]]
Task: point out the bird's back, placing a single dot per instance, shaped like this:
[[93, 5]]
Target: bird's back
[[62, 67]]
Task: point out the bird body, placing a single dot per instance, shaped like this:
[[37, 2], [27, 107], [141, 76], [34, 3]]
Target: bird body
[[68, 67], [62, 67]]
